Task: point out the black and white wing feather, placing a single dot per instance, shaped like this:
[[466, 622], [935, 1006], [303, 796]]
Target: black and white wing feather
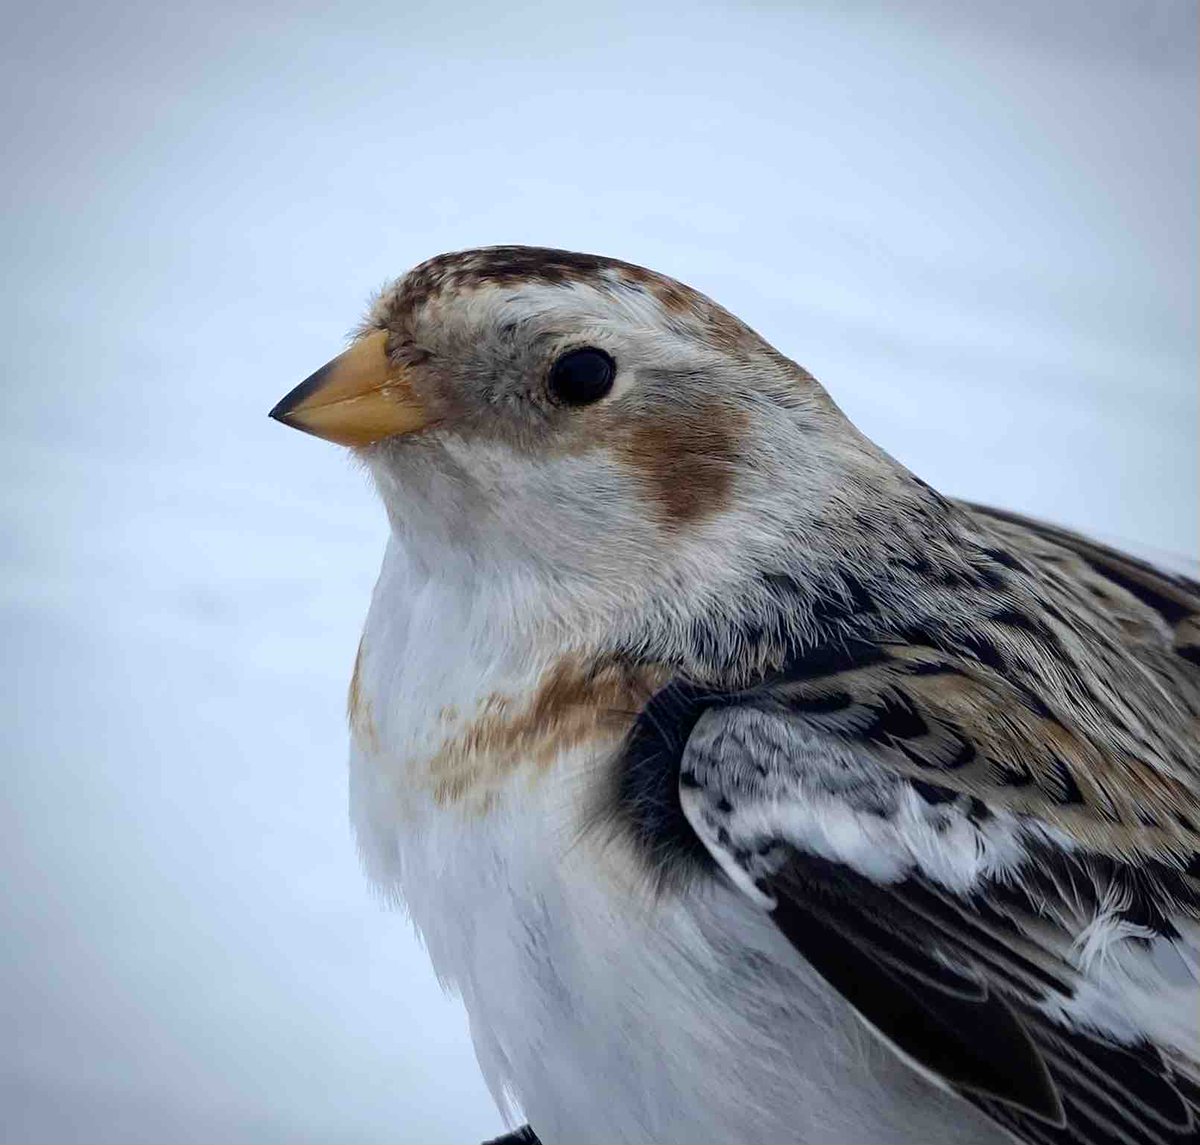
[[1006, 895], [944, 928]]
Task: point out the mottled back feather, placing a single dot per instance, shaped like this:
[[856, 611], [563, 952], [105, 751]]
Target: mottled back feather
[[1052, 728]]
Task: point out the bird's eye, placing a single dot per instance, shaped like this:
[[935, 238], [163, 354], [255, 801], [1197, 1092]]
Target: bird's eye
[[580, 377]]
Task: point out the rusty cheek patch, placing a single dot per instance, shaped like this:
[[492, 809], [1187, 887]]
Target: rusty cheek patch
[[685, 461], [576, 701]]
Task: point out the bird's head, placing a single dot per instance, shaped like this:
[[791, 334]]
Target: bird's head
[[579, 421]]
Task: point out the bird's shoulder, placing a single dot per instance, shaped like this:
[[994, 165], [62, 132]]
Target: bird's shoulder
[[1019, 665], [979, 826]]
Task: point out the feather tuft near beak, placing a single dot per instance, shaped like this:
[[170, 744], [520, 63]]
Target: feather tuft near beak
[[357, 399]]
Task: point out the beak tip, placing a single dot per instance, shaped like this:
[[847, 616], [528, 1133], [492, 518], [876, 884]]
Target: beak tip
[[356, 399], [284, 412]]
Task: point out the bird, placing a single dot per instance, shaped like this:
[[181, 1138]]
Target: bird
[[745, 787]]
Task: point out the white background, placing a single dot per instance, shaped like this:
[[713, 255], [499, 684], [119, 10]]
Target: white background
[[976, 223]]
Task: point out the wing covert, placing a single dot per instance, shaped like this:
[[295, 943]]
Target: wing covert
[[910, 906]]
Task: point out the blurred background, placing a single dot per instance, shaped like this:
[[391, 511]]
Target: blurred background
[[975, 222]]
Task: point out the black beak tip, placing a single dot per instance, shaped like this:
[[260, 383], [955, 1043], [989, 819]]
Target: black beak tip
[[303, 391]]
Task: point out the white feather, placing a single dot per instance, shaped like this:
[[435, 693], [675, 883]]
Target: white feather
[[603, 1014]]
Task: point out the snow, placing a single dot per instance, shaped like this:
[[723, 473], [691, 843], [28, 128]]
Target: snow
[[977, 225]]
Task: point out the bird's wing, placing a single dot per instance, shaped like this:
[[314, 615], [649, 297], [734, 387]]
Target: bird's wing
[[1172, 596], [964, 938], [1029, 954]]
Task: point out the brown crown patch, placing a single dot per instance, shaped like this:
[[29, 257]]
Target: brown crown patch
[[512, 265]]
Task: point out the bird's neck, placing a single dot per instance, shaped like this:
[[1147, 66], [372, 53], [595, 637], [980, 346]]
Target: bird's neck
[[891, 558], [895, 561]]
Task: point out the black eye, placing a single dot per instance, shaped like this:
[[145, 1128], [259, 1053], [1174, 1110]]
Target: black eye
[[582, 376]]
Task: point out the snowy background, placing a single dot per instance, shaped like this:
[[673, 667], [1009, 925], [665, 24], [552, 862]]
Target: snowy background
[[977, 223]]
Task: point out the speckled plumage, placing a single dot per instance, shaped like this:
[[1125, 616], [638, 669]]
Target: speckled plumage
[[746, 787]]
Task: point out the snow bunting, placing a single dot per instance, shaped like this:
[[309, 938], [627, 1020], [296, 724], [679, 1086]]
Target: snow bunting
[[746, 788]]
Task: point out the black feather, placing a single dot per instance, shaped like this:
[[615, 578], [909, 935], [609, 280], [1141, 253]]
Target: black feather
[[972, 1040]]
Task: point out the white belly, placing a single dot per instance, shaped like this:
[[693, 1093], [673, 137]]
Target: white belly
[[604, 1014]]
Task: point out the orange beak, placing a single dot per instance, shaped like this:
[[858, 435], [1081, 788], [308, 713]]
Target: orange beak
[[359, 398]]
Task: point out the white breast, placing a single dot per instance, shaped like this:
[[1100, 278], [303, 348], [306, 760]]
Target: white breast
[[603, 1013]]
